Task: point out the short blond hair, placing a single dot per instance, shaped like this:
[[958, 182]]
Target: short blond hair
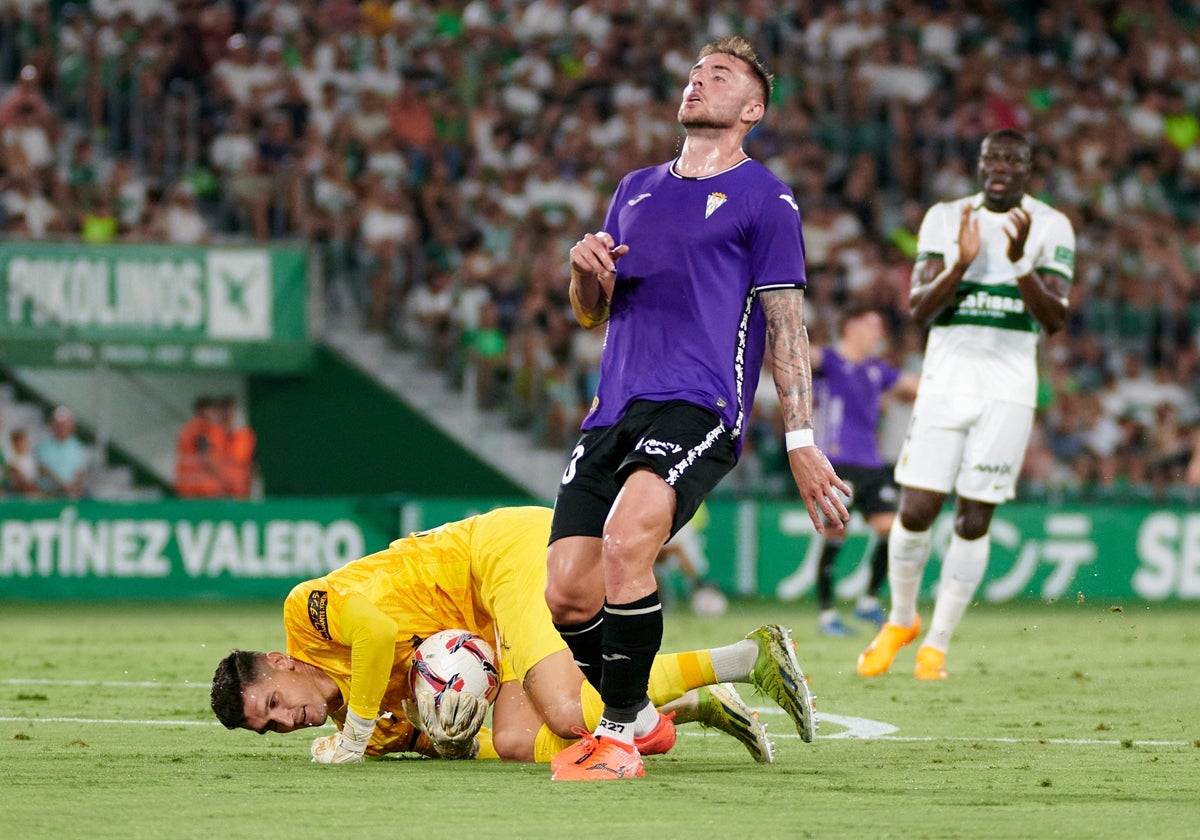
[[739, 47]]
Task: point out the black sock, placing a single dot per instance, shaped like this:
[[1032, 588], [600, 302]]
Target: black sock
[[879, 568], [584, 641], [632, 636], [825, 573]]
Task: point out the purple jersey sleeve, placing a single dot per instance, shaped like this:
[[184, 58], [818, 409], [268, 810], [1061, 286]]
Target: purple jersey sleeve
[[776, 242]]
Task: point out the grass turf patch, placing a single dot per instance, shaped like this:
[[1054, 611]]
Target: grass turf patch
[[1057, 720]]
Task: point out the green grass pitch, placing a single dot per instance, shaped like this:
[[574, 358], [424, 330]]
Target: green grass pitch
[[1058, 720]]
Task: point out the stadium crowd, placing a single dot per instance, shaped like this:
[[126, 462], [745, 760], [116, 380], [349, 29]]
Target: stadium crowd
[[444, 156]]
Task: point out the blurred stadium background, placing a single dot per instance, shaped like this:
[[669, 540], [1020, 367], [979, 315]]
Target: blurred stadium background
[[354, 218]]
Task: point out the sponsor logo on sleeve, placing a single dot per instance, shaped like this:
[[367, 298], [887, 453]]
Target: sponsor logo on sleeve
[[318, 602], [1064, 255]]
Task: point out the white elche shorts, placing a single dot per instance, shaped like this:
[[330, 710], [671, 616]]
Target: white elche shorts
[[966, 444]]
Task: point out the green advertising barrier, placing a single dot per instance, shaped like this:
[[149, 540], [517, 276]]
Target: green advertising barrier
[[233, 550], [1041, 553], [768, 549], [154, 306], [182, 550]]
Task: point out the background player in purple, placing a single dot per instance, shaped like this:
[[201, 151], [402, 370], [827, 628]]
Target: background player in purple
[[850, 381], [700, 264]]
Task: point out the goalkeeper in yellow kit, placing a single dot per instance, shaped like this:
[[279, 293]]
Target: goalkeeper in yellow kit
[[351, 637]]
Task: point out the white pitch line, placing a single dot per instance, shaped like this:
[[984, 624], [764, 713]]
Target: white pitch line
[[854, 728], [774, 735], [109, 684]]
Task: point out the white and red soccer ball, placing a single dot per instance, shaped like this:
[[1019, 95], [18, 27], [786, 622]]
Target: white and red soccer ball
[[455, 660]]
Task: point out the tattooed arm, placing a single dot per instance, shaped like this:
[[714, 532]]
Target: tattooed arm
[[788, 339]]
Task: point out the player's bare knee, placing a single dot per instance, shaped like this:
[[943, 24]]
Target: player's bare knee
[[571, 605], [915, 519], [631, 550], [972, 520], [513, 745], [919, 508], [562, 718]]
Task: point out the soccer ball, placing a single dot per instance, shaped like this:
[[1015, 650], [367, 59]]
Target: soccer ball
[[455, 660]]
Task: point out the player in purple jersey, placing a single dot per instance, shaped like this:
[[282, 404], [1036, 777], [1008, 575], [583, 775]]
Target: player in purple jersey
[[850, 382], [699, 265]]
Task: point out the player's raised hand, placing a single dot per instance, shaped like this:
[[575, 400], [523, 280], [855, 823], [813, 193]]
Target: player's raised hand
[[969, 240], [1016, 227], [819, 485], [595, 256]]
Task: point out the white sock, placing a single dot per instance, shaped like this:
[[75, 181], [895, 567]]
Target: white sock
[[828, 616], [908, 552], [962, 570], [647, 719], [615, 730], [733, 663]]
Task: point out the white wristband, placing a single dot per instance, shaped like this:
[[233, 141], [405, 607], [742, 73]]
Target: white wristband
[[798, 438], [356, 732], [1023, 266]]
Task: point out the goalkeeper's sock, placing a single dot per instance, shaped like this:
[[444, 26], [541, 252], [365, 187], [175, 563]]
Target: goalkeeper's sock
[[546, 744], [733, 663], [962, 570], [486, 748], [585, 641], [908, 551], [674, 674]]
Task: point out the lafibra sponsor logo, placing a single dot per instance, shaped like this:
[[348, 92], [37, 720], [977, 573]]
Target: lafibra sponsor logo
[[983, 302]]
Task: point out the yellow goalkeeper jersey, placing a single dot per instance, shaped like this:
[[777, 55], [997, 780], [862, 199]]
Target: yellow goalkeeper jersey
[[361, 623]]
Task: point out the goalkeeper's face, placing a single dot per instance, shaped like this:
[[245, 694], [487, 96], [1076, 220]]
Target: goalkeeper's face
[[290, 697]]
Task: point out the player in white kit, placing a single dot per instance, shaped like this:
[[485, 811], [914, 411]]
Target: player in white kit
[[992, 271]]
